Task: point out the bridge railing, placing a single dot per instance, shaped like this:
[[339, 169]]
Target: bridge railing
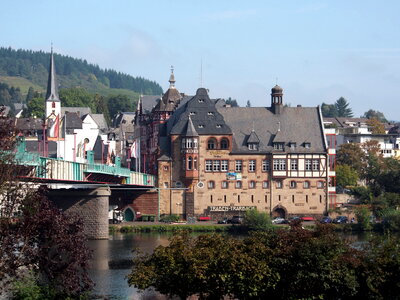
[[59, 169]]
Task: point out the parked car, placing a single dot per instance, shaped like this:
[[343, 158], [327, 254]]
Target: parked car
[[341, 220], [308, 218], [279, 220], [236, 220], [326, 220], [223, 221]]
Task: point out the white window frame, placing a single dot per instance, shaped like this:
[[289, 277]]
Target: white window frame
[[252, 165]]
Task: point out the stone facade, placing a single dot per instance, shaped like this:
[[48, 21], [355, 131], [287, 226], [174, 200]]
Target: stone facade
[[228, 190]]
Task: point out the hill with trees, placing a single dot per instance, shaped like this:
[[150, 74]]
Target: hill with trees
[[71, 72]]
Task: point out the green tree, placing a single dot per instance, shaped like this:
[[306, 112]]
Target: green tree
[[119, 103], [342, 108], [352, 155], [374, 114], [363, 216], [231, 102], [346, 176], [255, 220], [35, 108], [77, 97], [248, 104], [376, 126], [328, 110], [30, 95], [101, 107]]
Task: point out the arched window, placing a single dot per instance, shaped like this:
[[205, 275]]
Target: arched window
[[212, 144], [190, 163], [53, 105], [252, 184], [195, 163], [293, 184], [224, 143]]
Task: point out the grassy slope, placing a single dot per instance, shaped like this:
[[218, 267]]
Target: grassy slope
[[22, 83], [94, 87]]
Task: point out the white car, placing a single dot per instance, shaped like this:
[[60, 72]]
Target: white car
[[279, 220]]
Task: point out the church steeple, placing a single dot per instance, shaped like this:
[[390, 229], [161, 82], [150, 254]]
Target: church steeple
[[52, 102], [52, 89]]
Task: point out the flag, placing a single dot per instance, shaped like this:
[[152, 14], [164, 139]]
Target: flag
[[134, 149], [55, 128]]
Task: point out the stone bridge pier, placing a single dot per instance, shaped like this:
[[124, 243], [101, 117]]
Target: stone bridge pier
[[90, 204]]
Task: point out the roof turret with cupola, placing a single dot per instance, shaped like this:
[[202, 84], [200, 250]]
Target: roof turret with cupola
[[170, 100]]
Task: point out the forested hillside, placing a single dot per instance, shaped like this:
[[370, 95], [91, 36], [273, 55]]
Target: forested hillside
[[71, 72]]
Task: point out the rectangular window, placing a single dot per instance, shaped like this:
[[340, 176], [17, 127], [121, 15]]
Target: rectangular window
[[266, 165], [279, 185], [252, 184], [293, 164], [315, 164], [224, 184], [278, 146], [238, 184], [252, 165], [238, 166], [279, 164], [208, 165], [216, 165], [265, 184], [224, 166], [308, 164]]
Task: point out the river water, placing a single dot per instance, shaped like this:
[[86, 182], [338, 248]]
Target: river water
[[111, 283]]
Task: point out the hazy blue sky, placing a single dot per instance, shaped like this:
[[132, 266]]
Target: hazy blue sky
[[317, 50]]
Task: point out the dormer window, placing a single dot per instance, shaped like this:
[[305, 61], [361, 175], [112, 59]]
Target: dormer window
[[278, 146], [219, 126], [210, 113], [292, 145], [201, 126], [192, 113], [252, 146], [201, 100], [307, 145]]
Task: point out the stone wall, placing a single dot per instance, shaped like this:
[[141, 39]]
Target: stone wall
[[91, 205]]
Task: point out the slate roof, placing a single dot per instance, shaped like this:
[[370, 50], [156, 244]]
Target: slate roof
[[4, 110], [297, 125], [100, 121], [205, 117], [149, 102], [29, 124], [72, 120], [190, 130], [52, 86], [81, 111], [253, 138]]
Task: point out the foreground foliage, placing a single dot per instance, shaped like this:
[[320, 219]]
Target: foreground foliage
[[276, 264], [42, 251]]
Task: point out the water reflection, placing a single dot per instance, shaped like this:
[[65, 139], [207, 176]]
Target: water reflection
[[111, 283]]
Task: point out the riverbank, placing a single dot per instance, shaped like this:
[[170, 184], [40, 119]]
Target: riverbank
[[210, 226]]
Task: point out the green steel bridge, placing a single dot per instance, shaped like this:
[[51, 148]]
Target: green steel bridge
[[33, 167]]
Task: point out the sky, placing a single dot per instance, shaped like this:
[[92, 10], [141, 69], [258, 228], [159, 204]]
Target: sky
[[316, 50]]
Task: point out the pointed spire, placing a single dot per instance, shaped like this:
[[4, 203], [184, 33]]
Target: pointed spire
[[191, 130], [52, 89], [172, 78]]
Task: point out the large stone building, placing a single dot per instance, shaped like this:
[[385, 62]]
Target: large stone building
[[215, 160]]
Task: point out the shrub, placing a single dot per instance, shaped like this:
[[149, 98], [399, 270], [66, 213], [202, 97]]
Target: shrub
[[170, 218], [255, 220], [391, 220], [363, 216]]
